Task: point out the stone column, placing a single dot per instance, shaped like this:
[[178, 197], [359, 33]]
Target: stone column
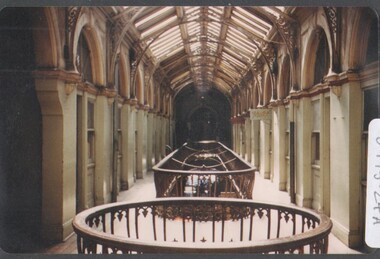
[[233, 137], [325, 157], [157, 138], [238, 137], [303, 153], [279, 147], [255, 139], [242, 138], [58, 109], [132, 132], [149, 150], [164, 127], [248, 139], [141, 143], [103, 150], [264, 116], [128, 143]]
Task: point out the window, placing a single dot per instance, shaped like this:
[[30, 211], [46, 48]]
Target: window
[[315, 135], [90, 132], [83, 61]]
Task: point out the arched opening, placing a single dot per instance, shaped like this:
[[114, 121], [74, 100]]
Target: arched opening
[[21, 135], [267, 89], [139, 88], [255, 96], [322, 59], [284, 88], [83, 59], [197, 115]]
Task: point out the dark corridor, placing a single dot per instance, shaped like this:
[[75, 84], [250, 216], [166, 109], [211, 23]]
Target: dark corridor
[[202, 115]]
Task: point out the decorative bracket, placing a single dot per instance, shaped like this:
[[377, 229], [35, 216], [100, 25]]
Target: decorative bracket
[[69, 88], [337, 90]]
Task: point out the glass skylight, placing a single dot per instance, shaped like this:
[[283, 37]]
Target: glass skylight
[[159, 26], [205, 45], [152, 16]]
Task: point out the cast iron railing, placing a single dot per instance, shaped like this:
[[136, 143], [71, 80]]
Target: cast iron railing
[[204, 169], [201, 225]]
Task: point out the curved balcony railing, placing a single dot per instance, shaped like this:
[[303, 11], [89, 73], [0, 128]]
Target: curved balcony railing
[[201, 225], [204, 169]]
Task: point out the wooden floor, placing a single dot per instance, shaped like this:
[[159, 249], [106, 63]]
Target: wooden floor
[[145, 190]]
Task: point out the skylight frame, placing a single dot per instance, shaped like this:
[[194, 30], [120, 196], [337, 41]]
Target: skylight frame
[[152, 16], [159, 26], [256, 20], [248, 28]]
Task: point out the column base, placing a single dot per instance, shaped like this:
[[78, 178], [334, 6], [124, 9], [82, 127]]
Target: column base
[[303, 202], [282, 186], [57, 233], [124, 185], [351, 238]]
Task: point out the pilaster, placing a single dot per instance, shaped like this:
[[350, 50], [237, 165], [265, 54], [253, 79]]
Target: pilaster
[[303, 153], [150, 129], [141, 123], [59, 144], [103, 150], [127, 180], [157, 139], [255, 140], [264, 117], [345, 165], [248, 141], [279, 147]]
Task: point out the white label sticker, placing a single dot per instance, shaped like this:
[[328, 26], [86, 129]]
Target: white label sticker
[[372, 229]]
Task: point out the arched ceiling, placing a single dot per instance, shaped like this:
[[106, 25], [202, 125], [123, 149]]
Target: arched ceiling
[[205, 46]]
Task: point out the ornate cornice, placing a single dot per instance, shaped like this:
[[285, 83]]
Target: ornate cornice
[[276, 103], [58, 74], [131, 102], [89, 88]]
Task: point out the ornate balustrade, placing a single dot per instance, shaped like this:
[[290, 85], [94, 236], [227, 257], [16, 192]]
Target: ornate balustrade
[[204, 169], [201, 225]]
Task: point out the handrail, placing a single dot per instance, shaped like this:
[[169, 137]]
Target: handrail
[[228, 173], [123, 227]]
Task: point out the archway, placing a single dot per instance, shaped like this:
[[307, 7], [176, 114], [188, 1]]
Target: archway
[[198, 108]]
